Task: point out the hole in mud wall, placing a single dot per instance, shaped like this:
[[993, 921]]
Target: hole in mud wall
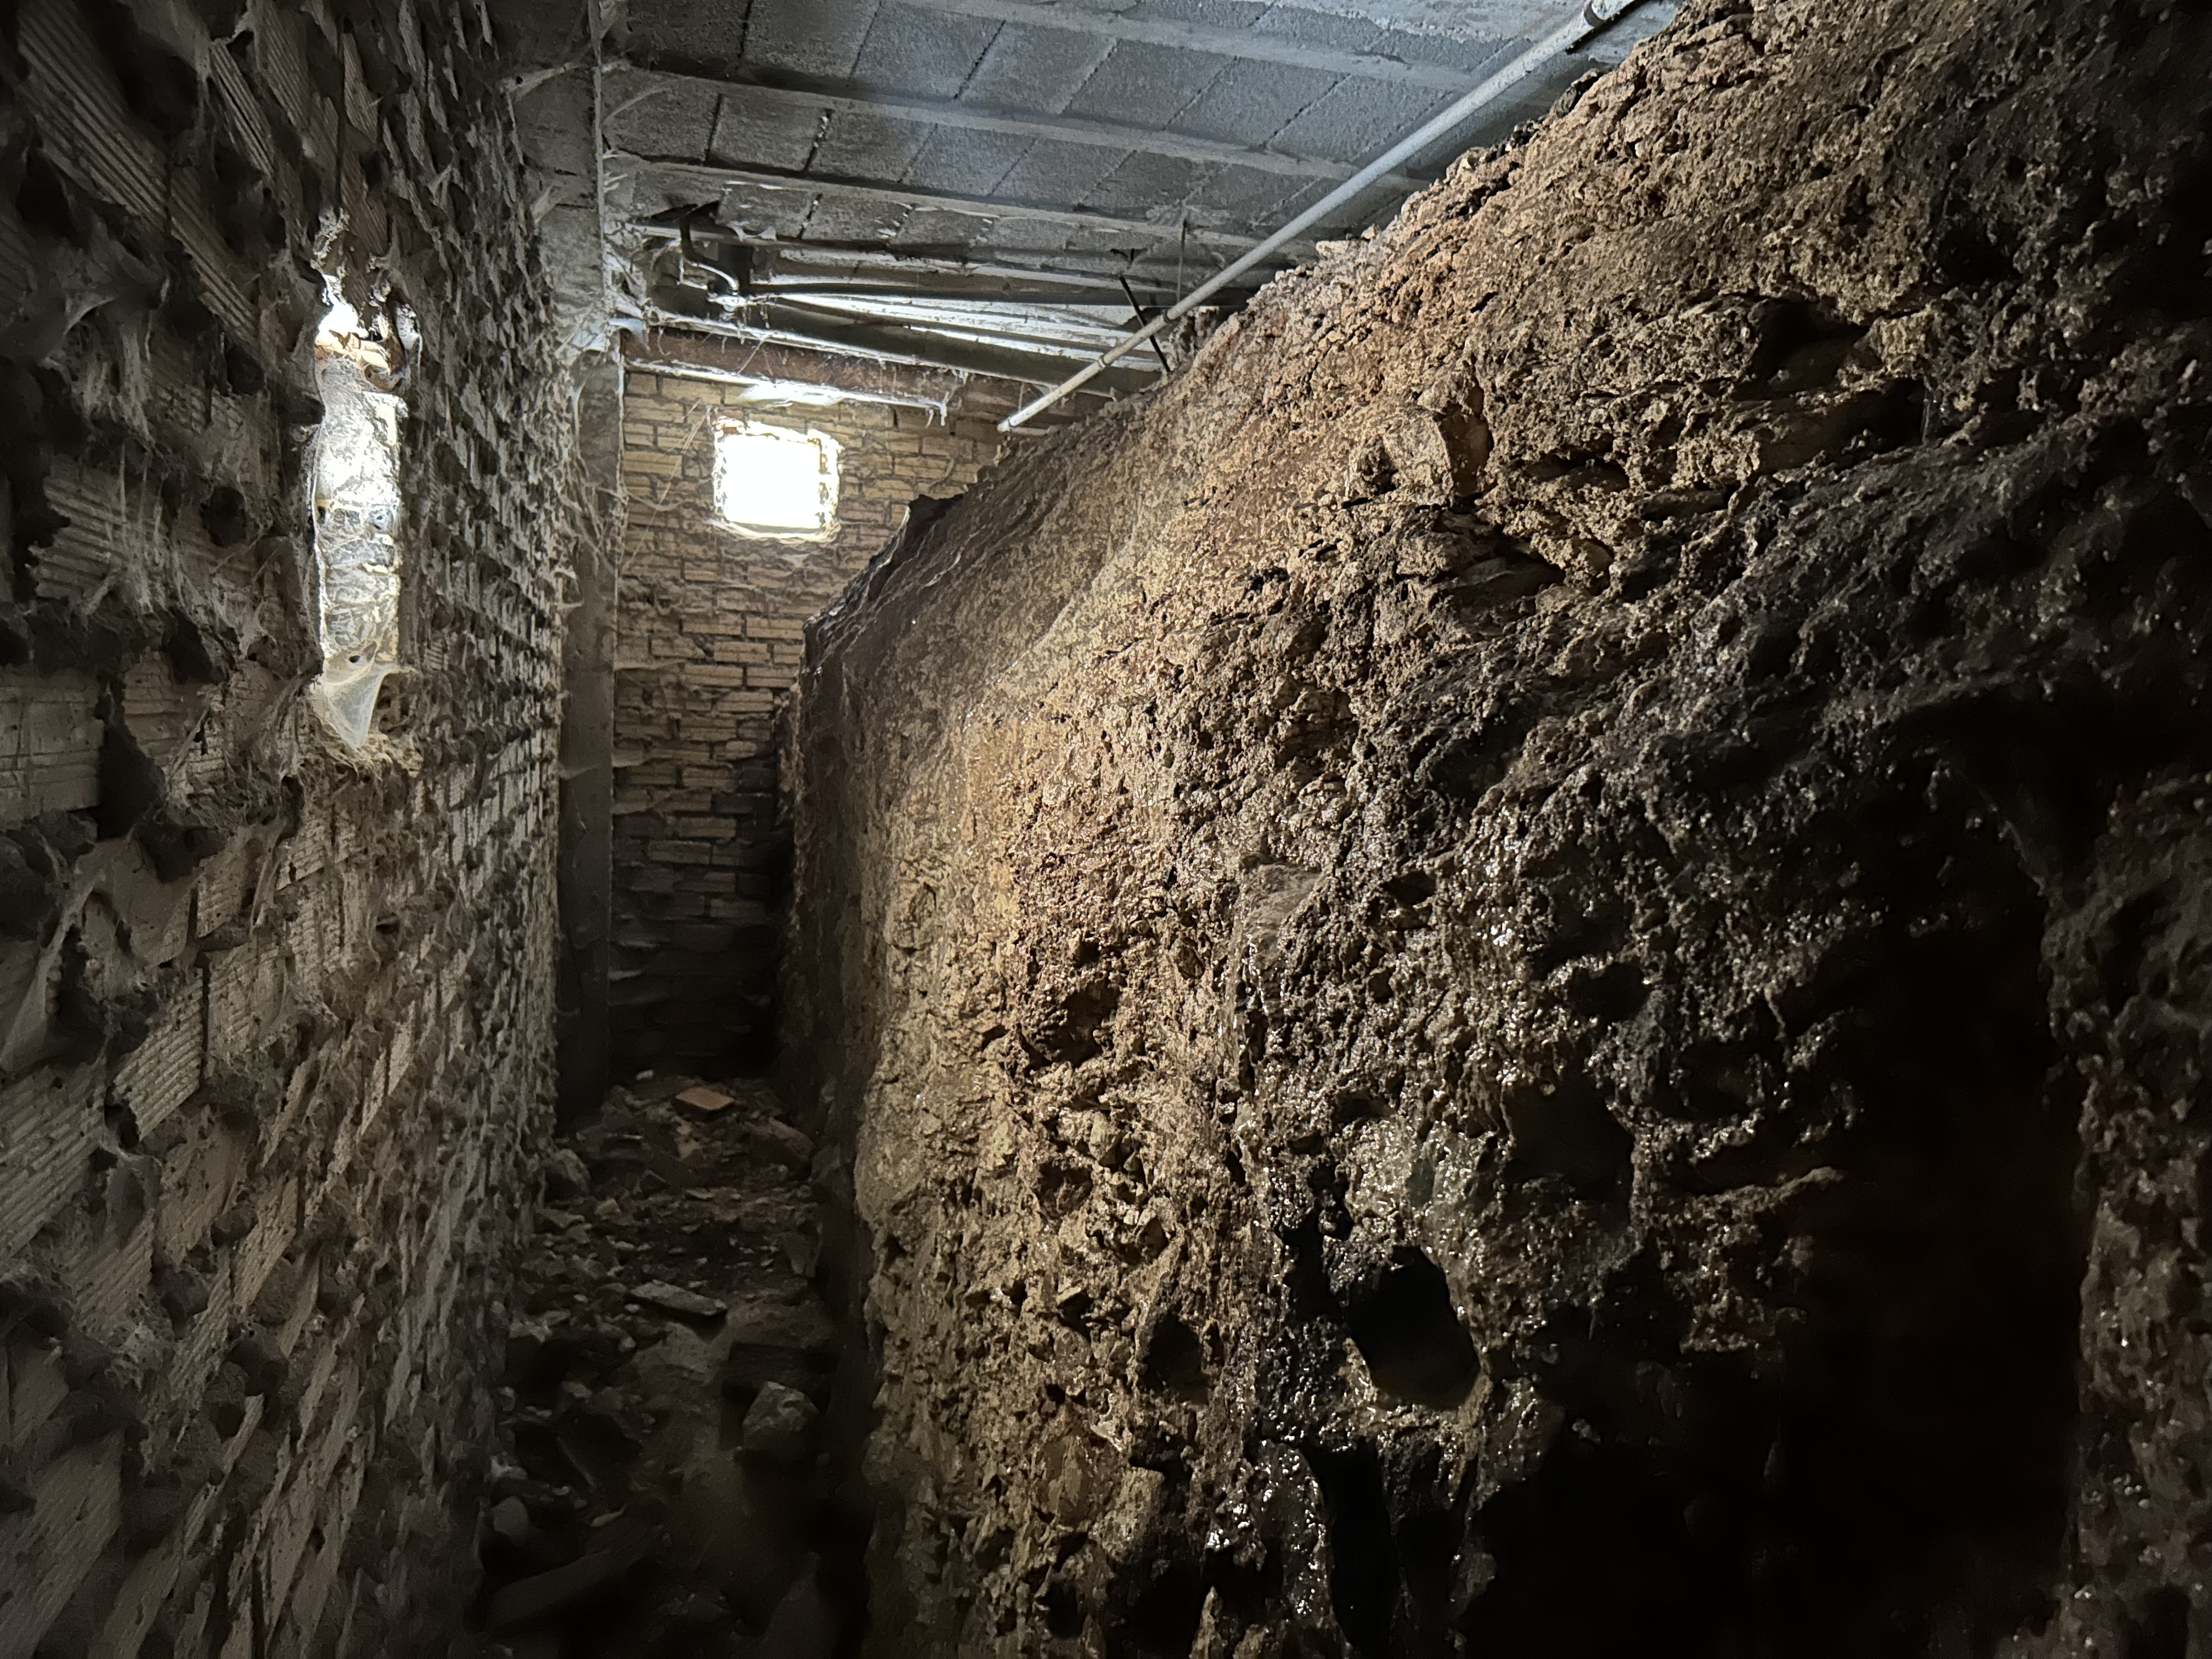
[[1163, 1619], [1409, 1334], [1594, 1556], [1063, 1611], [1362, 1571], [2159, 1629], [1175, 1361]]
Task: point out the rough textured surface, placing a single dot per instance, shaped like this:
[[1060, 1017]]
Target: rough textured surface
[[275, 1019], [707, 642], [1521, 972]]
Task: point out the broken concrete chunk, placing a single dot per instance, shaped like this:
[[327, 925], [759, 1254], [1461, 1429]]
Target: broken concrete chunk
[[681, 1362], [567, 1175], [787, 1145], [780, 1425], [701, 1098], [621, 1547], [674, 1299], [510, 1520], [749, 1364], [801, 1251]]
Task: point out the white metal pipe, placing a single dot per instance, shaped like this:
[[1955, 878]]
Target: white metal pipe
[[1587, 22]]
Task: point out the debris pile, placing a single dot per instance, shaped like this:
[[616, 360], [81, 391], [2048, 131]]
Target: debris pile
[[661, 1487]]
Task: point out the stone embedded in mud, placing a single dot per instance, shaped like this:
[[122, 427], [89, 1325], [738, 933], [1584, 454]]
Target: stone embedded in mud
[[509, 1519], [681, 1360], [779, 1424], [619, 1549]]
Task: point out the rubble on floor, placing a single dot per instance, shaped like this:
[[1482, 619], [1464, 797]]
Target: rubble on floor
[[661, 1487]]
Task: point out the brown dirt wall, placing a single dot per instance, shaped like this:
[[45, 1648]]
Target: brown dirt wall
[[1521, 971]]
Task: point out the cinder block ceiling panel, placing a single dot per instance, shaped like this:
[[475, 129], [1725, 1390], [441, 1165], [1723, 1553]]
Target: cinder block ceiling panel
[[989, 153]]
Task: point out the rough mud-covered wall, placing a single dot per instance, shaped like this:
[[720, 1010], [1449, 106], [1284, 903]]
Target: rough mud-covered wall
[[277, 1024], [1522, 971], [707, 627]]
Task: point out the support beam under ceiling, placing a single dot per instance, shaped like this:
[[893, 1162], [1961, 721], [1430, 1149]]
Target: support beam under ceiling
[[701, 182], [787, 326], [1054, 129], [921, 267], [765, 361], [1251, 44]]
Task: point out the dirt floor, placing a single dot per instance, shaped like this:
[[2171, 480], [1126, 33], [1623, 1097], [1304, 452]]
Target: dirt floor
[[662, 1488]]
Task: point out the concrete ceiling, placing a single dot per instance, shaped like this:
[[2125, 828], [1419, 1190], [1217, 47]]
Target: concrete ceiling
[[972, 183]]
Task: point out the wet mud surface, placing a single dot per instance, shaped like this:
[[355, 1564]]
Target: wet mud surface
[[1519, 971]]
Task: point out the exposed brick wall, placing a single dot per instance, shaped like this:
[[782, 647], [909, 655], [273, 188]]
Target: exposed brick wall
[[275, 1020], [707, 640]]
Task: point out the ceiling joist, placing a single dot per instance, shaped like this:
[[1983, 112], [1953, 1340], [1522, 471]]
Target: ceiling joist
[[951, 266], [784, 325], [1054, 129], [1250, 43], [701, 182], [686, 352]]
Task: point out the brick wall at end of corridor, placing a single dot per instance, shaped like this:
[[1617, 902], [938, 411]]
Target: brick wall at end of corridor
[[708, 644]]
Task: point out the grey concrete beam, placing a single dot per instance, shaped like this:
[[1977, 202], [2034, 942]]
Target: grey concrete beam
[[1063, 129], [706, 179], [1200, 37], [1062, 332], [894, 345], [1155, 279], [670, 352], [1007, 357]]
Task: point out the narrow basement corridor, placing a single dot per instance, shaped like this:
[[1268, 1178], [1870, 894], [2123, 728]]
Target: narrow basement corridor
[[1105, 830]]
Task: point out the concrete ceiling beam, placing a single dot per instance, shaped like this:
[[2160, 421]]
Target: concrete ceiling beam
[[1056, 129], [673, 351], [915, 347], [702, 177], [1249, 44], [1101, 272]]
